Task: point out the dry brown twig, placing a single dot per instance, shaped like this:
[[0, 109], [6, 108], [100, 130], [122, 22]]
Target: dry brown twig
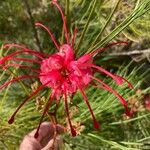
[[137, 55]]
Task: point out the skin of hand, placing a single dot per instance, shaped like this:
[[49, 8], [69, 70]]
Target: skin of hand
[[45, 140]]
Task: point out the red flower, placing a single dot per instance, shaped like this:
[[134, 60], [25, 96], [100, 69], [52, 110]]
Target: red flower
[[62, 72]]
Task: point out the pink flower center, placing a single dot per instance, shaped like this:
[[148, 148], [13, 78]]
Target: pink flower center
[[61, 69]]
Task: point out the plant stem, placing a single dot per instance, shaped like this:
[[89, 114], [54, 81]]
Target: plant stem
[[33, 24]]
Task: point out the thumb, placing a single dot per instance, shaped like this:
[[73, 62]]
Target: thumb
[[55, 144]]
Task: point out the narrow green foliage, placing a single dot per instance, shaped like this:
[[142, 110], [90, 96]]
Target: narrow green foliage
[[86, 25], [139, 10], [106, 24]]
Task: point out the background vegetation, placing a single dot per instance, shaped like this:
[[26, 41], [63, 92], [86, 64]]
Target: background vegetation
[[99, 22]]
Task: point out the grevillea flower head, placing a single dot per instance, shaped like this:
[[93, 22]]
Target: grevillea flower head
[[62, 72]]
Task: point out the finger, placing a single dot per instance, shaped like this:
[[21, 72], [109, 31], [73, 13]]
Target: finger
[[30, 143], [47, 135], [56, 144], [47, 129]]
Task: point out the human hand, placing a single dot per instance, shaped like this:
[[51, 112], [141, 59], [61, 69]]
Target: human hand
[[46, 139]]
